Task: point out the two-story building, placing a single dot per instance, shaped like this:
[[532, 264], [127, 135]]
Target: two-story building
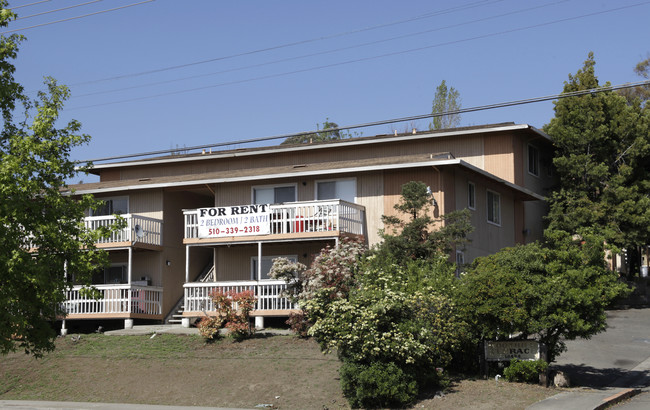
[[215, 220]]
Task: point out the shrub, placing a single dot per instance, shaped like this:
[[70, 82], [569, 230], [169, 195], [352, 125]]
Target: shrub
[[377, 385], [209, 327], [524, 370], [233, 309]]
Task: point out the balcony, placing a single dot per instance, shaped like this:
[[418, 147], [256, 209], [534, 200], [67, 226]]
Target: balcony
[[117, 301], [313, 219], [140, 231], [270, 301]]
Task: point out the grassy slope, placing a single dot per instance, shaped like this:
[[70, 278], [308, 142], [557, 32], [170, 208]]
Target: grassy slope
[[183, 370]]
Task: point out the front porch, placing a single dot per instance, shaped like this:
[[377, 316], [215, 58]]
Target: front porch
[[116, 301], [269, 293]]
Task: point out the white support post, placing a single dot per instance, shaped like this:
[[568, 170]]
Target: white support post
[[128, 323], [259, 322], [185, 322], [129, 270], [187, 264], [64, 331], [259, 261]]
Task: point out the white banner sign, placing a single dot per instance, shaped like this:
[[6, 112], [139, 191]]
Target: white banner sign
[[219, 222]]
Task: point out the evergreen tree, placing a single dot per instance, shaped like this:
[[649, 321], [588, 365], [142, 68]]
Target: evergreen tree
[[602, 158]]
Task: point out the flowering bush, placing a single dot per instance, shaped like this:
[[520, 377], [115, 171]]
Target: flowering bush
[[209, 327], [233, 309]]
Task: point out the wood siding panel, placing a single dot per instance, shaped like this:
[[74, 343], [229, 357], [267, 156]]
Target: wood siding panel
[[147, 203], [370, 194], [499, 156], [393, 181], [234, 262], [468, 148], [110, 175]]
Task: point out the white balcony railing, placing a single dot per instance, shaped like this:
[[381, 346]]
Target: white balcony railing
[[115, 299], [296, 217], [268, 294], [150, 228]]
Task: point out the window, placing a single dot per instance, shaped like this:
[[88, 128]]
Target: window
[[471, 195], [274, 194], [116, 273], [494, 207], [533, 160], [345, 189], [267, 262], [112, 206]]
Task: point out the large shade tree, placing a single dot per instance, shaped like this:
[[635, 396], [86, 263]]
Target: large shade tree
[[602, 158], [44, 245]]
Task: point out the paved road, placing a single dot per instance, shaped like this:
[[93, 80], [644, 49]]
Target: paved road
[[611, 358], [607, 365]]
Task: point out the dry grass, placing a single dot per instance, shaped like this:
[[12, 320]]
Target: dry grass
[[287, 372]]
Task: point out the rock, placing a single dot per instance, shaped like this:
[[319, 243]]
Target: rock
[[561, 379]]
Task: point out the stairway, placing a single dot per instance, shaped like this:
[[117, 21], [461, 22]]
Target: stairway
[[176, 315]]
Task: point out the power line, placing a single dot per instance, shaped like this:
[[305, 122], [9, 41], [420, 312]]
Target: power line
[[55, 10], [295, 43], [389, 121], [30, 4], [284, 60], [265, 77], [76, 17]]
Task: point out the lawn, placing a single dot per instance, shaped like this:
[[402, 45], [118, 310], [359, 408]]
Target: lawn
[[282, 371]]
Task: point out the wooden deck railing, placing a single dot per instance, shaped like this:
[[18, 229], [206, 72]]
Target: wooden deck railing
[[115, 299], [268, 294], [151, 229], [297, 217]]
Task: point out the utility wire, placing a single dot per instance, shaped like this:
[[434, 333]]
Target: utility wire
[[30, 4], [264, 77], [284, 60], [76, 17], [295, 43], [55, 10], [390, 121]]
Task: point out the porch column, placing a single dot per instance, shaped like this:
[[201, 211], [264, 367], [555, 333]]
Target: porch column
[[129, 269], [259, 320], [259, 262], [187, 263]]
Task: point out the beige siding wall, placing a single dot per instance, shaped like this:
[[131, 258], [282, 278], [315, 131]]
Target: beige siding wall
[[487, 238], [534, 212], [147, 203], [468, 148], [234, 262], [370, 194], [174, 250], [499, 156]]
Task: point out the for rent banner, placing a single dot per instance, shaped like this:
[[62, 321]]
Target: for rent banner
[[219, 222]]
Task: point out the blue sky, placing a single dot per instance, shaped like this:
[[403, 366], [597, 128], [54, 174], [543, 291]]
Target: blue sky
[[490, 51]]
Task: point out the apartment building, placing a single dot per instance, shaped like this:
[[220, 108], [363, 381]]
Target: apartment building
[[216, 220]]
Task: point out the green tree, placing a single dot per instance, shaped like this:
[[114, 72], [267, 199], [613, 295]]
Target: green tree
[[551, 294], [321, 136], [415, 234], [445, 100], [44, 245], [602, 158], [642, 69]]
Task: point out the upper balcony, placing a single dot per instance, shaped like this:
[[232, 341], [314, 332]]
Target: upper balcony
[[295, 220], [140, 231]]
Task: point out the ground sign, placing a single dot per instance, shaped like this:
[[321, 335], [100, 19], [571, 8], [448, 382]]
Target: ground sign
[[497, 351]]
